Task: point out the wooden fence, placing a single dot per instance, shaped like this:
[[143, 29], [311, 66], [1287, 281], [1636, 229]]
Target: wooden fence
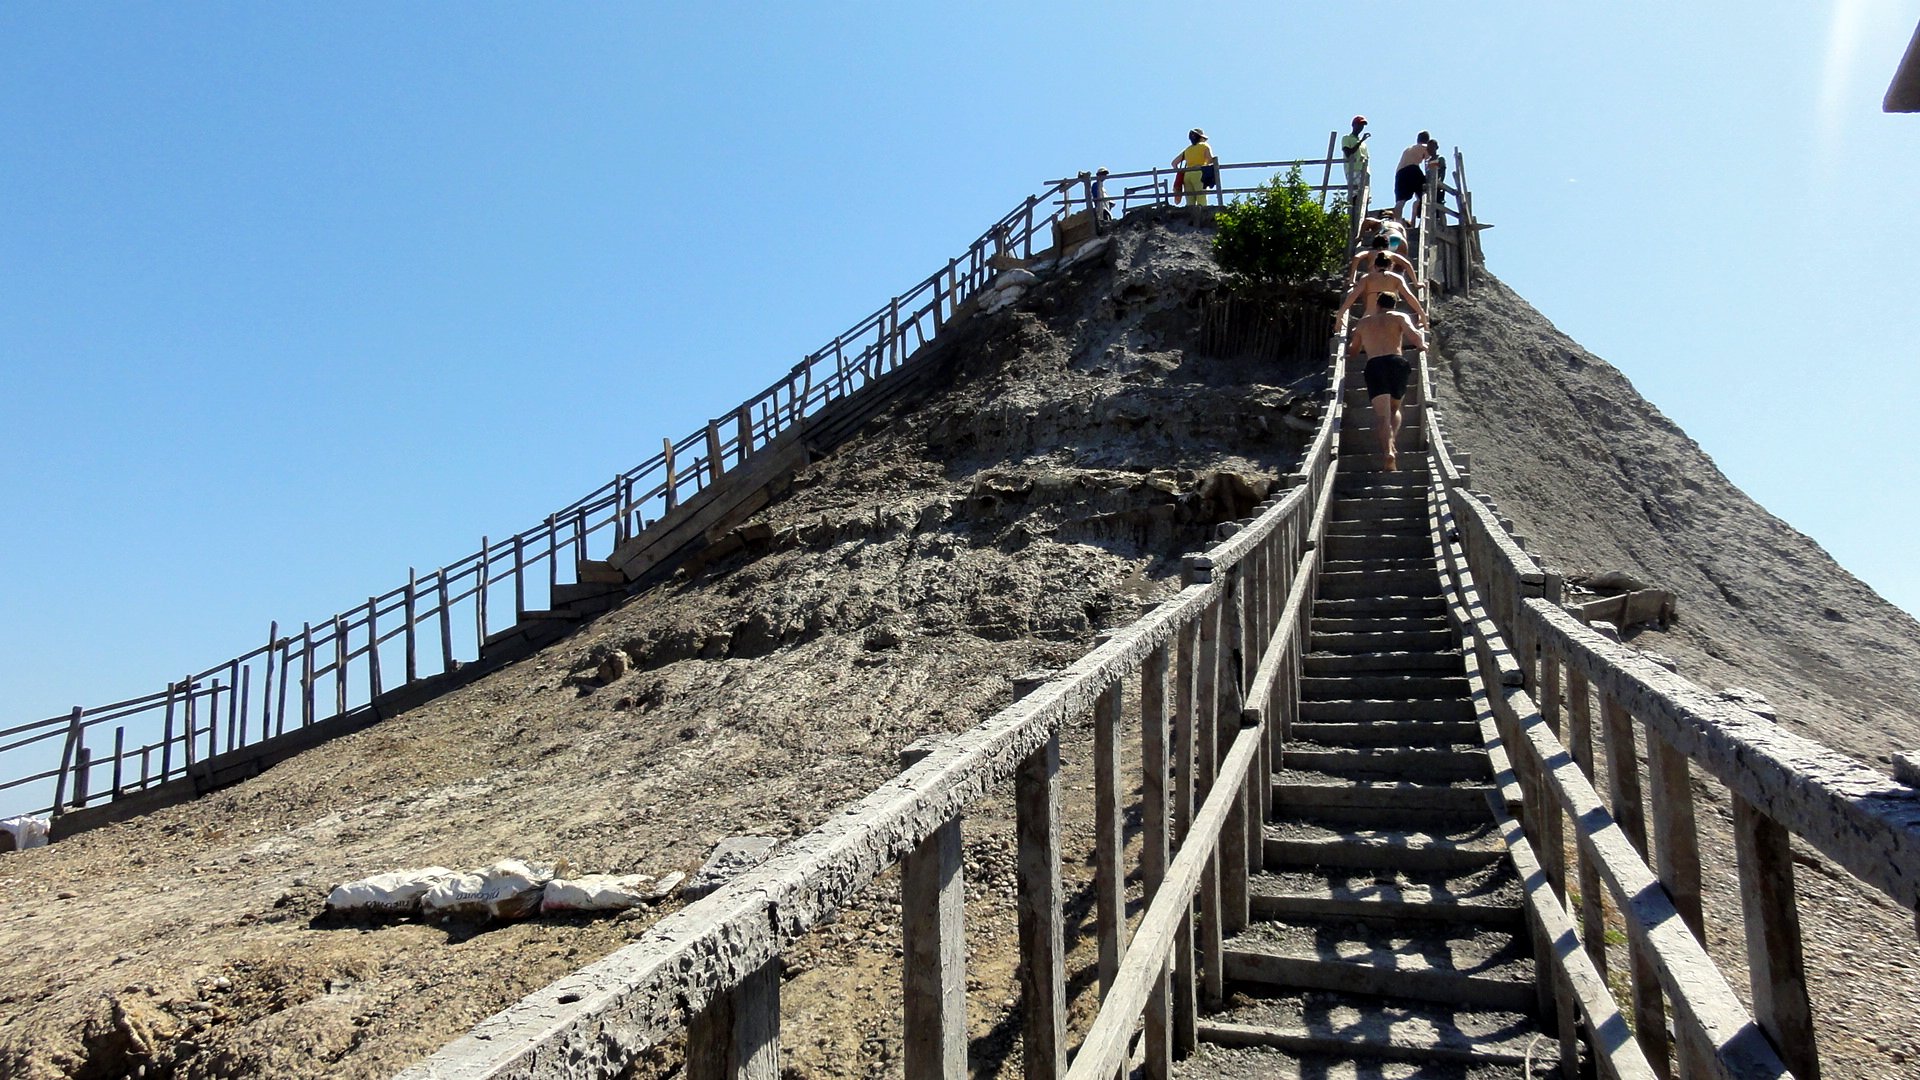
[[302, 685], [1209, 671], [1543, 678]]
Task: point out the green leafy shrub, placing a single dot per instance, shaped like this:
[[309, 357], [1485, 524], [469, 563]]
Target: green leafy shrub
[[1280, 235]]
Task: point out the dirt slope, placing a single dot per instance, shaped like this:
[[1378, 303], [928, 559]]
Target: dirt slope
[[1600, 480], [995, 527]]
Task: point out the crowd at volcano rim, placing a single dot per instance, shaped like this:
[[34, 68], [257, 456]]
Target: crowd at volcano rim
[[1380, 276]]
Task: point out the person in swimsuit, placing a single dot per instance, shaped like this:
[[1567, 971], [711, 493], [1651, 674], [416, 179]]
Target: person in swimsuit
[[1386, 224], [1381, 280], [1380, 337], [1378, 246], [1410, 175]]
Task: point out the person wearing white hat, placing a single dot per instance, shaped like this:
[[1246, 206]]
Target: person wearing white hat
[[1193, 160]]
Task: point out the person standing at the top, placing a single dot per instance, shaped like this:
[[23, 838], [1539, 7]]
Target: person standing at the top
[[1195, 158], [1411, 174], [1353, 158]]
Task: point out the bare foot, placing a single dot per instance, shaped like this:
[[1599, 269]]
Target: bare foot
[[1393, 463]]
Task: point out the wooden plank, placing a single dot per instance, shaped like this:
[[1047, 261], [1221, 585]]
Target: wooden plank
[[339, 667], [737, 1037], [715, 466], [520, 572], [1043, 976], [1676, 839], [119, 758], [306, 675], [69, 754], [1109, 853], [481, 570], [1186, 686], [1103, 1051], [246, 699], [1580, 735], [446, 622], [373, 650], [934, 950], [267, 717], [743, 433], [672, 481], [1774, 961], [1623, 781], [1155, 810], [1701, 996], [410, 605]]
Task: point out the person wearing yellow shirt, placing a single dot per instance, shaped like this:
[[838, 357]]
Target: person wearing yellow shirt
[[1194, 158]]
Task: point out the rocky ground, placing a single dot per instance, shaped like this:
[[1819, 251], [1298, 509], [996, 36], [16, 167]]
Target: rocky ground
[[1084, 441], [1601, 481]]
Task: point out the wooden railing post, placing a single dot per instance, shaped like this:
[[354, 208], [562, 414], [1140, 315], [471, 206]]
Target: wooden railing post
[[413, 644], [737, 1036], [1109, 846], [1206, 738], [1186, 695], [1593, 933], [1043, 974], [714, 465], [671, 478], [1623, 777], [1774, 961], [69, 752], [1154, 848], [934, 949]]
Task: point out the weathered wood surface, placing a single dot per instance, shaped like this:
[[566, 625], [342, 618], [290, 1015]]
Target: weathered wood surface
[[1858, 817], [1104, 1050], [934, 951]]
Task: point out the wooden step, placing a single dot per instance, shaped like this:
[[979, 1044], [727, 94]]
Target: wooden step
[[1479, 896], [1388, 733], [1490, 968], [1361, 1026], [597, 572], [1382, 687], [1296, 844], [1362, 710], [1377, 563], [1413, 764], [1441, 662], [1323, 797], [1383, 641], [1394, 526], [1221, 1059], [1339, 546], [1379, 623], [1384, 583]]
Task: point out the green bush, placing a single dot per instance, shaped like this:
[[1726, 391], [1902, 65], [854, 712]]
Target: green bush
[[1280, 235]]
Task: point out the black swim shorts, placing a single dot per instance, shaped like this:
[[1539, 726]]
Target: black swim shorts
[[1408, 182], [1388, 375]]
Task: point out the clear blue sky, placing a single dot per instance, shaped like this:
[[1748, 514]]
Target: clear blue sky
[[295, 296]]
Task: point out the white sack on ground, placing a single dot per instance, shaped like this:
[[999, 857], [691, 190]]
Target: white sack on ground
[[509, 889], [397, 892], [607, 892], [25, 831]]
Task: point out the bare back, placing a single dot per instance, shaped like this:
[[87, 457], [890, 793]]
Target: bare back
[[1385, 333]]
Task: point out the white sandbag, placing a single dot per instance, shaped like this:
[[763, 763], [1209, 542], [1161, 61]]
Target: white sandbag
[[395, 893], [509, 889], [25, 831], [606, 892], [1007, 279]]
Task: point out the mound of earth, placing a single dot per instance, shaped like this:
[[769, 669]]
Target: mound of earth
[[1600, 481], [1083, 441]]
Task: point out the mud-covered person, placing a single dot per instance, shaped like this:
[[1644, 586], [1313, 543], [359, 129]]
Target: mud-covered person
[[1363, 261], [1385, 225], [1410, 176], [1193, 162], [1380, 279], [1381, 337]]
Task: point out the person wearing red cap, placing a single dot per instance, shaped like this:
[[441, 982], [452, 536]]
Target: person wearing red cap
[[1353, 151]]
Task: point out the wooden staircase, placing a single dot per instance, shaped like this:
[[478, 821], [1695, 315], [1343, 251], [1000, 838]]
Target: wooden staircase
[[1387, 937]]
